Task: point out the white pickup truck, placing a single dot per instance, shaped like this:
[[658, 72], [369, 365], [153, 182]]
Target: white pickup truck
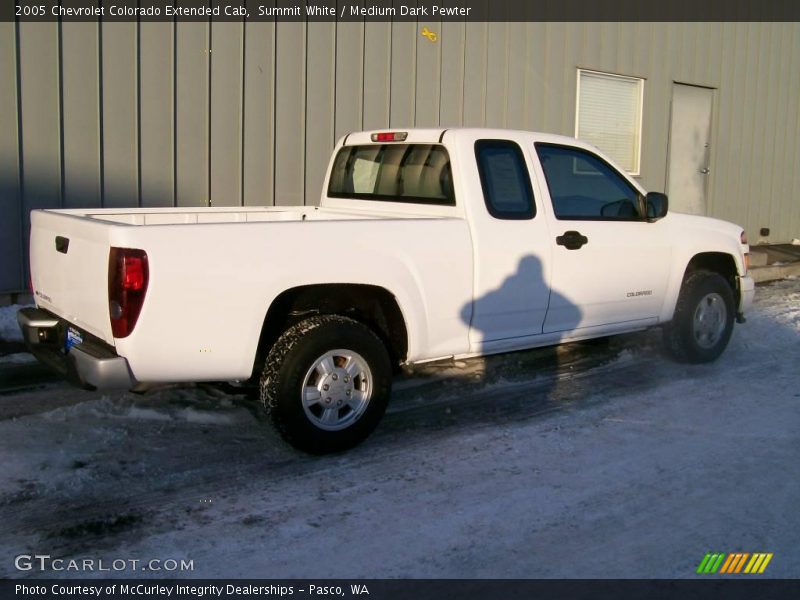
[[428, 244]]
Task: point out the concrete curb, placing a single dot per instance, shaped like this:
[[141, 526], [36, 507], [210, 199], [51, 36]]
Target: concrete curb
[[774, 272]]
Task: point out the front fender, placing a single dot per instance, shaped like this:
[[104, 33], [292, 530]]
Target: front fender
[[695, 236]]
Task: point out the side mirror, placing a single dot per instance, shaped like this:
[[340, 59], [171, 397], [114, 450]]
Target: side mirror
[[655, 205]]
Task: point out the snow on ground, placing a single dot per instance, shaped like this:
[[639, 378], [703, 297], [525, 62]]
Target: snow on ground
[[18, 358], [9, 328], [158, 409], [587, 460]]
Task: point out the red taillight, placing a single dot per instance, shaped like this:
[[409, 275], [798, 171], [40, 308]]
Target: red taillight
[[389, 136], [133, 269], [127, 285]]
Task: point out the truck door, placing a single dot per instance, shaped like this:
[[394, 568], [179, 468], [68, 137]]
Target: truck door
[[511, 247], [608, 261]]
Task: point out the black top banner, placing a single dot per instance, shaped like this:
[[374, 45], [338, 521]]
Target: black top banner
[[399, 10]]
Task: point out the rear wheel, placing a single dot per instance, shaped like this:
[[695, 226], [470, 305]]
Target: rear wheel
[[703, 322], [326, 383]]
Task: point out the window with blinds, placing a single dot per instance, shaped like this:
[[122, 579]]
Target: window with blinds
[[609, 115]]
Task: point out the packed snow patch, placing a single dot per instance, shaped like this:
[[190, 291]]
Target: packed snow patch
[[19, 358], [190, 405], [187, 414]]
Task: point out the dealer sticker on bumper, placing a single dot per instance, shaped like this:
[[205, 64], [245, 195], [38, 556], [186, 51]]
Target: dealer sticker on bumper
[[74, 337]]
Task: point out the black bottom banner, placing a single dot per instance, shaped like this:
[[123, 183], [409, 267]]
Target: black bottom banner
[[412, 589]]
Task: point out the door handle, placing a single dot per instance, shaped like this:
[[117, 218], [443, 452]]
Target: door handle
[[572, 240], [705, 171]]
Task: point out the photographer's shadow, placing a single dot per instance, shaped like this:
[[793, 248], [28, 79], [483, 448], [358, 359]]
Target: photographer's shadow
[[505, 308]]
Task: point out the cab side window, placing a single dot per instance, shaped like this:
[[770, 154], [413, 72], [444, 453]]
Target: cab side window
[[584, 187], [505, 181]]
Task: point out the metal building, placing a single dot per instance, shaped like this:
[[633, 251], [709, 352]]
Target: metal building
[[226, 113]]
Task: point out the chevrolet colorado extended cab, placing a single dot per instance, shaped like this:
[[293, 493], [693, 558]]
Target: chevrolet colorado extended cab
[[427, 245]]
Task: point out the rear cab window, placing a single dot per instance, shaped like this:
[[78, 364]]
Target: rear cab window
[[416, 173]]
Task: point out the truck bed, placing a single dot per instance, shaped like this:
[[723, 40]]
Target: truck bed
[[210, 282], [237, 214]]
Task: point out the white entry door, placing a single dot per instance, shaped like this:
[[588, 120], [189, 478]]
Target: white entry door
[[689, 148]]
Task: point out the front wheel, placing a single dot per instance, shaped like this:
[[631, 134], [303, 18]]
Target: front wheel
[[703, 322], [326, 383]]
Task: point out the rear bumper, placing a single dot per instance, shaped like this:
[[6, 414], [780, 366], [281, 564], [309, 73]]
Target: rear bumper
[[90, 364]]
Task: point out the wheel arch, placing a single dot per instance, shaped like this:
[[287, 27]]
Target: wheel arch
[[374, 306], [716, 262], [722, 263]]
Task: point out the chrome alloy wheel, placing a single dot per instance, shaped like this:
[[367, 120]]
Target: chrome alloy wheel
[[337, 390], [710, 318]]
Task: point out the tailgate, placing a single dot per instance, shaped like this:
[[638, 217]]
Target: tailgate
[[69, 269]]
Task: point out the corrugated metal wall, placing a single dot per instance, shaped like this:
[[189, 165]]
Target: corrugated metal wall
[[162, 114]]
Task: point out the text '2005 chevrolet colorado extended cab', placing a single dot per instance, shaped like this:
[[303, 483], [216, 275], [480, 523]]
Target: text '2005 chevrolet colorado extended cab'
[[427, 244]]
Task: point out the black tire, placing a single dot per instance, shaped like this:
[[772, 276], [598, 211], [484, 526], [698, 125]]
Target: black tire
[[288, 371], [687, 338]]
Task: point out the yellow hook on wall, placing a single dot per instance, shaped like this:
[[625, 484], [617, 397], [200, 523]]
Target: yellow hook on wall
[[429, 34]]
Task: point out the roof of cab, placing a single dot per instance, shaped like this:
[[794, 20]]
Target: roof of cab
[[435, 136]]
